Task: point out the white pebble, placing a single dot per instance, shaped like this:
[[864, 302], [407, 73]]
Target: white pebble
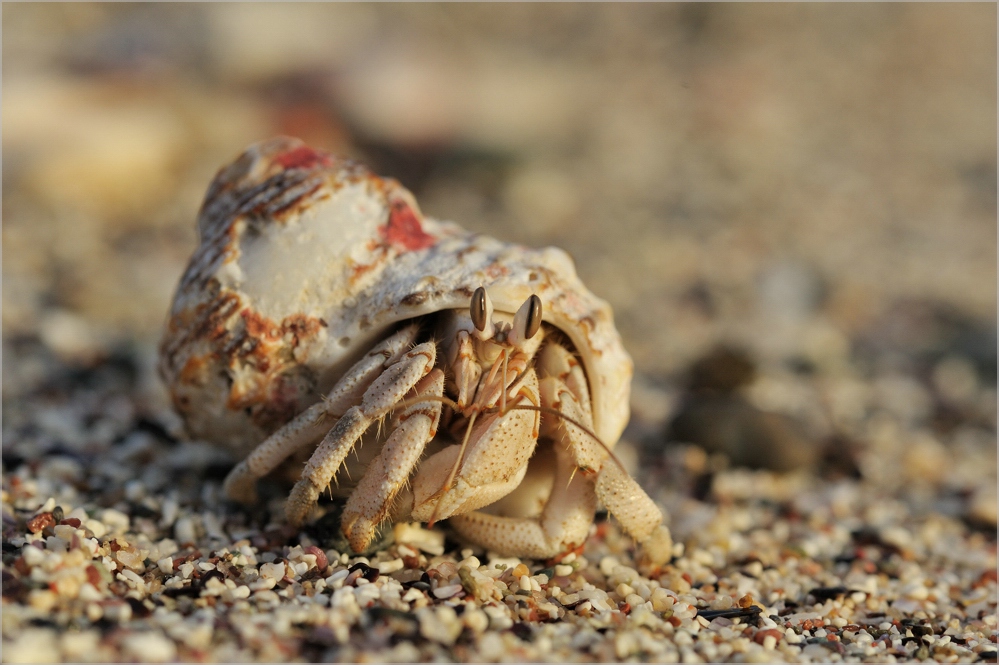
[[563, 570], [116, 520], [149, 647], [447, 591], [56, 544], [89, 593], [426, 540], [131, 559], [624, 590], [608, 564], [274, 571], [470, 561], [440, 626], [64, 531], [34, 645], [97, 527], [241, 592], [184, 530], [168, 512], [634, 600], [75, 646], [165, 565], [338, 576], [476, 620], [386, 567], [199, 637], [263, 584], [32, 555]]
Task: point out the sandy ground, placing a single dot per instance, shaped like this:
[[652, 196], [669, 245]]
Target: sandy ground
[[791, 209]]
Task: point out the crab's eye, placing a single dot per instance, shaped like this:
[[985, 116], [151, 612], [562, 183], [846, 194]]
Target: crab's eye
[[481, 313], [478, 309], [527, 321]]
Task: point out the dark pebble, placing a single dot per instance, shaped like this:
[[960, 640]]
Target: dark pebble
[[216, 574], [523, 631], [722, 370], [752, 612], [14, 589], [139, 609], [367, 572], [191, 591], [829, 593]]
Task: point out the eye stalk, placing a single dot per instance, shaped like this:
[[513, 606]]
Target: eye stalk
[[481, 312], [526, 322]]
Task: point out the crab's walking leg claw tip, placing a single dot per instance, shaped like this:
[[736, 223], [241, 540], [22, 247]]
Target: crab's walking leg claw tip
[[300, 502], [658, 548]]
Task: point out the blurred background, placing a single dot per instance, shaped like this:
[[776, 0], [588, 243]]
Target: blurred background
[[791, 207]]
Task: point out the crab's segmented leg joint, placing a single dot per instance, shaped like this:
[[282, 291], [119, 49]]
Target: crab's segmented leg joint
[[371, 500], [309, 426], [383, 393]]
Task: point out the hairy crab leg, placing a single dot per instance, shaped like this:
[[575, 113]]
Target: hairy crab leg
[[371, 500], [311, 424], [388, 389]]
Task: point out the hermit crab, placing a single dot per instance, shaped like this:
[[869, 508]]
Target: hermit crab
[[321, 310]]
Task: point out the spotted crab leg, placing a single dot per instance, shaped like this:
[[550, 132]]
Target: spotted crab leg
[[372, 499], [384, 393], [311, 424]]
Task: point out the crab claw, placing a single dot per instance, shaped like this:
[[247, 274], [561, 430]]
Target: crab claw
[[495, 462]]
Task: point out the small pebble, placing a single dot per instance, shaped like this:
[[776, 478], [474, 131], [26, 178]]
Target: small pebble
[[447, 591]]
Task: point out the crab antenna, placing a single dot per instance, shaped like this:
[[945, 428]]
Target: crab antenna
[[571, 421], [454, 469], [402, 404]]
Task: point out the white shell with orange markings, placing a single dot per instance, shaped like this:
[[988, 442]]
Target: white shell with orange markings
[[306, 261]]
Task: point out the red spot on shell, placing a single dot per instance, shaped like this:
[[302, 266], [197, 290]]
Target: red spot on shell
[[404, 229], [303, 157]]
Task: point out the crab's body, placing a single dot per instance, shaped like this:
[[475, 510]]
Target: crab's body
[[320, 300]]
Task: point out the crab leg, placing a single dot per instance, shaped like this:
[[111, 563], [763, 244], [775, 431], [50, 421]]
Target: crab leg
[[371, 500], [387, 390], [309, 426]]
